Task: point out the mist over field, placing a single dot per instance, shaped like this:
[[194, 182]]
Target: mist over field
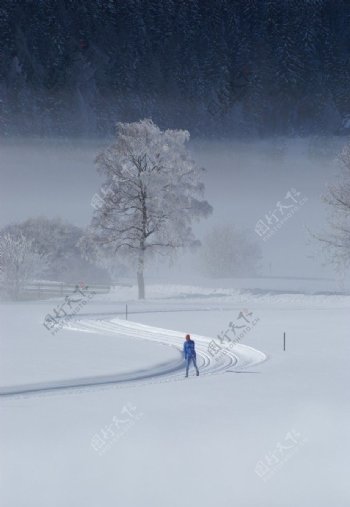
[[244, 180]]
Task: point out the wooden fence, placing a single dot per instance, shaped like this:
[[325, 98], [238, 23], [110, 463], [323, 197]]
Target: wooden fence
[[45, 290]]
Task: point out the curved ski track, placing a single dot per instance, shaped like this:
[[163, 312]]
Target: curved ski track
[[235, 359]]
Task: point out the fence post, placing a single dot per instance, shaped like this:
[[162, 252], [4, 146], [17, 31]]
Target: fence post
[[284, 341]]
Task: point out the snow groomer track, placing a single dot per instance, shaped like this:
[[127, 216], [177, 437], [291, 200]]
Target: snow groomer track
[[236, 359]]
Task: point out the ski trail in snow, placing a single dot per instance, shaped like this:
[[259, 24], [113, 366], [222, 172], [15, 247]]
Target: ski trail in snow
[[235, 359]]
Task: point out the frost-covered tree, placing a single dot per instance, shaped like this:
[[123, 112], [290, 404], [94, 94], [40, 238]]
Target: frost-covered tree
[[151, 194], [337, 241], [19, 263], [228, 252]]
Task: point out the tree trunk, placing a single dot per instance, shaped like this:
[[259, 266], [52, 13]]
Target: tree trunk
[[141, 263], [140, 277], [141, 284], [15, 290]]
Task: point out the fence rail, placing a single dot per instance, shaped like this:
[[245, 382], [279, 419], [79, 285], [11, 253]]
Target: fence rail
[[45, 290], [64, 288]]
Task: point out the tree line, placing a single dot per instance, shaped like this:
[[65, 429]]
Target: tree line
[[224, 67]]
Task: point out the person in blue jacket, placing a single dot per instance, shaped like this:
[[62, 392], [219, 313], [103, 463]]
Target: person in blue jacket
[[190, 354]]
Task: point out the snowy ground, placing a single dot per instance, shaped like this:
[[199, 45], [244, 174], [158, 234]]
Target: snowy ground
[[247, 432]]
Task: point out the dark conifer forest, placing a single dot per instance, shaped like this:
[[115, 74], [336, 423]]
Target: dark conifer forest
[[240, 68]]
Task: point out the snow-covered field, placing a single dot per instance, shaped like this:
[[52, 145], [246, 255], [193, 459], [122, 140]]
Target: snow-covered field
[[104, 416]]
